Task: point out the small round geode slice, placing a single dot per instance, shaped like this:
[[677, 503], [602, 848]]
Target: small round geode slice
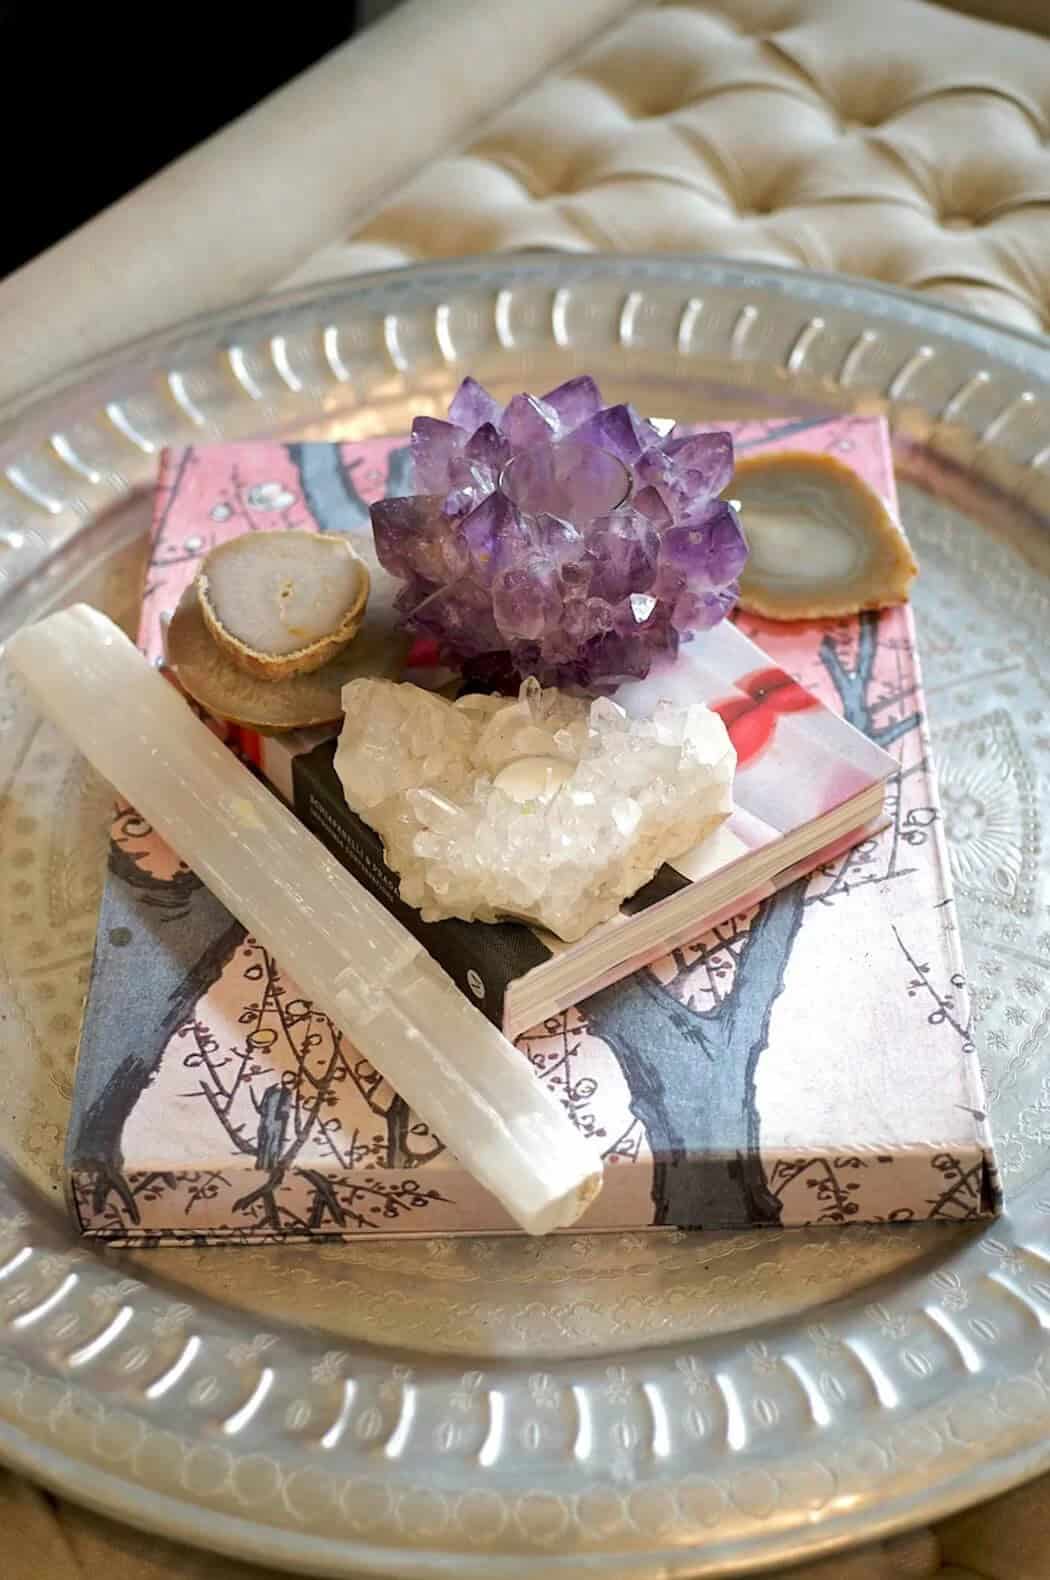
[[283, 603], [822, 543], [208, 674], [615, 798]]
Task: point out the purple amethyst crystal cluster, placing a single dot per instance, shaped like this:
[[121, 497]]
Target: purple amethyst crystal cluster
[[561, 538]]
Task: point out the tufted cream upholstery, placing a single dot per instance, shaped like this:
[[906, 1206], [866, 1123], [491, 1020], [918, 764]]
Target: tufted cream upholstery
[[897, 139], [888, 138]]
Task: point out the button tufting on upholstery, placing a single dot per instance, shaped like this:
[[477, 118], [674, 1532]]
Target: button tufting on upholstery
[[889, 138]]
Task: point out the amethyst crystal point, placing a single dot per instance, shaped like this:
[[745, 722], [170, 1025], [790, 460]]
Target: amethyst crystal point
[[559, 538], [495, 536], [699, 611], [703, 553], [526, 600], [470, 482], [488, 447], [635, 612], [627, 547], [473, 407], [528, 421], [692, 466], [621, 431], [434, 445], [574, 401], [414, 537], [650, 502]]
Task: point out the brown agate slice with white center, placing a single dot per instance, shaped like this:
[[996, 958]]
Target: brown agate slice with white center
[[822, 543], [206, 670], [282, 604]]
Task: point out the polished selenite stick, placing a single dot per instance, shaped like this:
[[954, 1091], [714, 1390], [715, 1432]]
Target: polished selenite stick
[[346, 952]]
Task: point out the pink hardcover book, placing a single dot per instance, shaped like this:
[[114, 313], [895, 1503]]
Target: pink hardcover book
[[767, 1072]]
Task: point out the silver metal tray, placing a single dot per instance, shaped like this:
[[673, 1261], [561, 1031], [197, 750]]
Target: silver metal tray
[[636, 1405]]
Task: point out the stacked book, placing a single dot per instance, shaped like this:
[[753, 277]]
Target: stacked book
[[774, 1031]]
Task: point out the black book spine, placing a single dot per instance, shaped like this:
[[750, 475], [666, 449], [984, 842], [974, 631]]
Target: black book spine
[[482, 958]]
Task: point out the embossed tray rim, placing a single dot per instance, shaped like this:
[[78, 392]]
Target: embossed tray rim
[[1024, 1449]]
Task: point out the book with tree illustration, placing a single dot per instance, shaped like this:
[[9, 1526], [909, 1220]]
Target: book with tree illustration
[[738, 1079]]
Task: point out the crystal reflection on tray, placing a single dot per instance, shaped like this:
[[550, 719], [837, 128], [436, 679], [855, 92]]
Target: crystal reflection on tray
[[537, 809]]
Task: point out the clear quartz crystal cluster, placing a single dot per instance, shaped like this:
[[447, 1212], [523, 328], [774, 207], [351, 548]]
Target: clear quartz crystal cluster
[[571, 541], [546, 808]]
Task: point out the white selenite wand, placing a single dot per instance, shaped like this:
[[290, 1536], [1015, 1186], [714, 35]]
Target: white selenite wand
[[346, 952]]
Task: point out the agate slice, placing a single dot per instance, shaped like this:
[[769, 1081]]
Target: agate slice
[[822, 543], [282, 604], [208, 673]]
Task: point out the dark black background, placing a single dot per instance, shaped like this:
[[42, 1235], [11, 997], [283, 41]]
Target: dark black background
[[94, 99]]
